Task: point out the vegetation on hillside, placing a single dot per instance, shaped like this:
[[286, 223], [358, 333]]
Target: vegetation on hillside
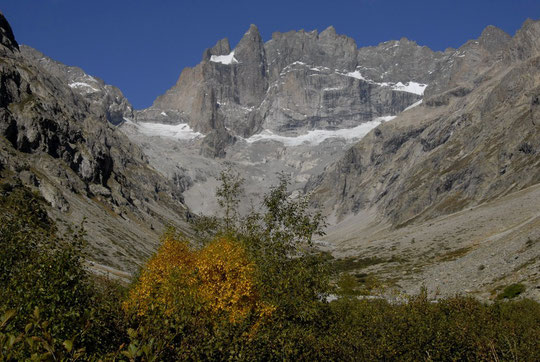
[[250, 287]]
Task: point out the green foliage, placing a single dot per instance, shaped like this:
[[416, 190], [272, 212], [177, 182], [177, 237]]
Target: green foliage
[[38, 268], [292, 275], [512, 291], [228, 196], [36, 342], [42, 271], [453, 329], [50, 309]]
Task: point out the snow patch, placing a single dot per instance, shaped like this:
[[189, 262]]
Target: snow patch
[[163, 114], [224, 59], [410, 87], [180, 131], [356, 74], [315, 137], [84, 86], [413, 105]]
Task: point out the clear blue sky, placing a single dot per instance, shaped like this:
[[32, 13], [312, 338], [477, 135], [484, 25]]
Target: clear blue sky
[[142, 46]]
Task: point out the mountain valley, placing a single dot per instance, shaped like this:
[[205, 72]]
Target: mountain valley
[[426, 164]]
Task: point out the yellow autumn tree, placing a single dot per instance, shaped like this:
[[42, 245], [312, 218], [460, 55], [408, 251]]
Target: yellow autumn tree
[[219, 278]]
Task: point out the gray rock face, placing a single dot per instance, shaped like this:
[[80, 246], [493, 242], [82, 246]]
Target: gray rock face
[[467, 145], [526, 42], [102, 97], [323, 82], [295, 82], [300, 81], [307, 97], [56, 141]]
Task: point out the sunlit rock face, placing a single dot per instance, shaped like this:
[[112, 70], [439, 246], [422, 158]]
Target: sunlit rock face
[[297, 103]]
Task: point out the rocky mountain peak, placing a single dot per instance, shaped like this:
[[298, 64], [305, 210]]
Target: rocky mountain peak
[[7, 38], [250, 47], [526, 42], [251, 81], [222, 47], [328, 32], [494, 39]]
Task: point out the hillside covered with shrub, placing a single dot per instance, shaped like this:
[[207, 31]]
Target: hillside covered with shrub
[[246, 288]]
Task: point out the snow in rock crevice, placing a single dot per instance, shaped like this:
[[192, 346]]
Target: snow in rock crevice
[[315, 137], [356, 74], [224, 59], [410, 87]]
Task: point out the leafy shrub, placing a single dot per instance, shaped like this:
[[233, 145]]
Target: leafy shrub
[[43, 271], [252, 288], [219, 278], [511, 291]]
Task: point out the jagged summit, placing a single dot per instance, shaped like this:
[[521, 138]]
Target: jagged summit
[[222, 47], [330, 31], [252, 29]]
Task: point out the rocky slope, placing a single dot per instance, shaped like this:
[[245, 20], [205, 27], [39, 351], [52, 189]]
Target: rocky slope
[[471, 143], [103, 98], [59, 142], [460, 171]]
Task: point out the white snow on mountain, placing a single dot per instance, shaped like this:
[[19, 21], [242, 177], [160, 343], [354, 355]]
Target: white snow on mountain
[[356, 74], [411, 87], [85, 86], [413, 105], [180, 131], [224, 59], [315, 137]]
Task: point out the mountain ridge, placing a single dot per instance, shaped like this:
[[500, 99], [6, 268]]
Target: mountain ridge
[[55, 142]]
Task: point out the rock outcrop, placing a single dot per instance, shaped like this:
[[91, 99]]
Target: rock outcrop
[[103, 98], [58, 142]]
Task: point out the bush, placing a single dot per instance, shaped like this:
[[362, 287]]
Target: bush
[[512, 291], [42, 272], [252, 288]]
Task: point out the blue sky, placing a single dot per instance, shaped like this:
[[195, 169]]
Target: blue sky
[[142, 46]]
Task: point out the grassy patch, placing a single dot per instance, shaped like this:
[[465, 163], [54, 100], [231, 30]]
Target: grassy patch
[[512, 291], [357, 284], [350, 264], [455, 254]]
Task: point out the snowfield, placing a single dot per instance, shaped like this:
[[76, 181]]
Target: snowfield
[[315, 137], [180, 131]]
